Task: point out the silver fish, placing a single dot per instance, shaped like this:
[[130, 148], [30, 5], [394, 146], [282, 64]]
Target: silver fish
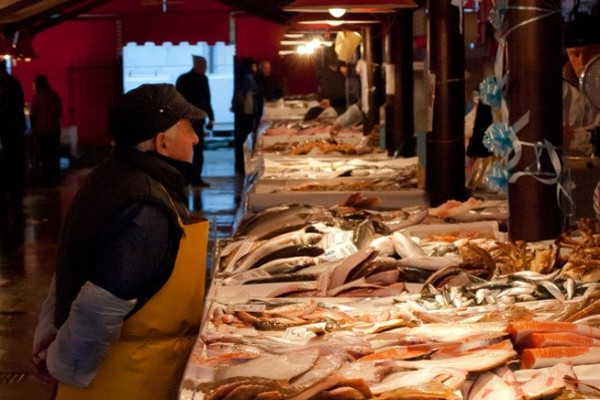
[[515, 291], [384, 246], [570, 287], [535, 276], [553, 290], [406, 247], [269, 246], [431, 263]]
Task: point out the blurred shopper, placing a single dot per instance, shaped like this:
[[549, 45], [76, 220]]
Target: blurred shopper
[[12, 144], [245, 106], [45, 113], [193, 85], [268, 86], [124, 308], [333, 85]]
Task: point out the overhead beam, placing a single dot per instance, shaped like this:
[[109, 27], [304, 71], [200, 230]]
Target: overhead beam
[[16, 6], [51, 16], [46, 23], [265, 9]]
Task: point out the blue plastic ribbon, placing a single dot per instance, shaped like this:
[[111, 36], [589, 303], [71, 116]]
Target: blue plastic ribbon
[[490, 92], [498, 138], [497, 177]]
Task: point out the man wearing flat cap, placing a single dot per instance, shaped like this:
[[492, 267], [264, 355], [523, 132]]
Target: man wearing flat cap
[[123, 311]]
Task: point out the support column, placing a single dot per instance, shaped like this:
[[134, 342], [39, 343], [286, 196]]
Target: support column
[[378, 82], [399, 112], [368, 57], [445, 175], [534, 85]]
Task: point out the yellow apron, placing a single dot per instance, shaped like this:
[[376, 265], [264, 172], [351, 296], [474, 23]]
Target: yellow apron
[[148, 360]]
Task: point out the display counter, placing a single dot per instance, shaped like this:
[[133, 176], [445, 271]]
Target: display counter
[[328, 290]]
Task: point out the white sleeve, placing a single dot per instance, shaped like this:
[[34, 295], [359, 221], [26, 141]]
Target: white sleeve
[[362, 71], [45, 326], [94, 323]]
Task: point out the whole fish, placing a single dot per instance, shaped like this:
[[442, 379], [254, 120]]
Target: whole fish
[[420, 377], [431, 263], [406, 247], [289, 239]]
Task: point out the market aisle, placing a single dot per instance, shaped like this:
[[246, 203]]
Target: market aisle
[[27, 247]]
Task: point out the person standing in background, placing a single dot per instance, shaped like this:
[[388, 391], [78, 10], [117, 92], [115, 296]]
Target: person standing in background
[[245, 105], [12, 143], [45, 113], [333, 84], [268, 86], [194, 87]]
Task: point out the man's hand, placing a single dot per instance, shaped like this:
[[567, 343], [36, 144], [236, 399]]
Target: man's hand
[[335, 129], [38, 359]]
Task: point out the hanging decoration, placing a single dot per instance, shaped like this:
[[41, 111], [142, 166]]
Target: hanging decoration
[[500, 138], [497, 178], [490, 92]]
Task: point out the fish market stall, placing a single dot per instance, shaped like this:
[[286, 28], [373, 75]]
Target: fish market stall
[[296, 137], [382, 349], [329, 181], [311, 301], [393, 304], [287, 109], [371, 166]]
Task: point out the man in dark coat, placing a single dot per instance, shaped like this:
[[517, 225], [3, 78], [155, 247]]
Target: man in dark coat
[[269, 87], [193, 85]]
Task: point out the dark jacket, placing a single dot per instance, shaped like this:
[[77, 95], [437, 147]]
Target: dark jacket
[[269, 88], [96, 243], [483, 119], [194, 87], [245, 82], [12, 115], [45, 112]]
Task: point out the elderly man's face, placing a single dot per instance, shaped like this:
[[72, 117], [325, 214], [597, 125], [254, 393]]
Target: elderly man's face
[[580, 56], [265, 68], [178, 141]]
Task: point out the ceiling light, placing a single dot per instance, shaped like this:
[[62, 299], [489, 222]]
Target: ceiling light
[[314, 43], [292, 42], [305, 50], [351, 6], [337, 12]]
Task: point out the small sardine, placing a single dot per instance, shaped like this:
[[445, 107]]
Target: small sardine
[[553, 290], [535, 276], [570, 287], [515, 291]]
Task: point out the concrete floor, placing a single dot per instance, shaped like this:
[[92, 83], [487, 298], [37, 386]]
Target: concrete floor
[[28, 245]]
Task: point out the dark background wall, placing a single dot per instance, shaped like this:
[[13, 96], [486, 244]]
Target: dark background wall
[[82, 57]]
